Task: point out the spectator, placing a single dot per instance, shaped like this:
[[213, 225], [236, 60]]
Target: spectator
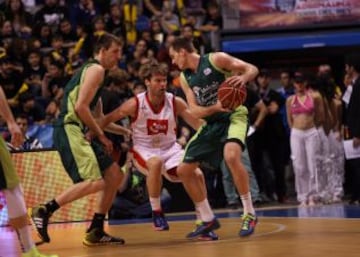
[[43, 33], [29, 143], [32, 109], [7, 34], [11, 81], [20, 18], [51, 14], [34, 72], [272, 141], [352, 68], [82, 12], [212, 25], [67, 32], [115, 23], [305, 111]]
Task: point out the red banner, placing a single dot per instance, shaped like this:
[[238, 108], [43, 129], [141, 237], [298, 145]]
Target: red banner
[[296, 13]]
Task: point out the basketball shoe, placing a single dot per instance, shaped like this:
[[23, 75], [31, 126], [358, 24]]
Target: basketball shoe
[[204, 229], [35, 253], [98, 237], [159, 220], [249, 222], [40, 219], [207, 236]]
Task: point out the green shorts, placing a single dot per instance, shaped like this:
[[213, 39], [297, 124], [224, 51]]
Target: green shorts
[[8, 176], [208, 142], [81, 159]]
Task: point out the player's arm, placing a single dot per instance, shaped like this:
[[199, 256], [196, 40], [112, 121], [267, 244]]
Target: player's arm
[[93, 78], [111, 127], [241, 72], [127, 109], [196, 110], [183, 111], [5, 112], [260, 105]]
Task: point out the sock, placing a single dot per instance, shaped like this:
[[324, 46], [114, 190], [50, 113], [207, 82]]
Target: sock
[[197, 213], [205, 210], [97, 222], [52, 206], [247, 203], [25, 238], [155, 203]]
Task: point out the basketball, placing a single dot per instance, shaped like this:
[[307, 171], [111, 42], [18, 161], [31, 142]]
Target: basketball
[[231, 97]]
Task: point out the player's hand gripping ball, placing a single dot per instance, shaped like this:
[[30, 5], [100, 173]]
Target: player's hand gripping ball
[[231, 97]]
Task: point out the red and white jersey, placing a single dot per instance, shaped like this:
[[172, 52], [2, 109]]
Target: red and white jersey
[[152, 129]]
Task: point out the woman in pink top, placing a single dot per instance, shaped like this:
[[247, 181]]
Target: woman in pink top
[[304, 112]]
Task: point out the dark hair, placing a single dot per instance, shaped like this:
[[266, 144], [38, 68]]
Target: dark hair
[[22, 116], [353, 60], [118, 77], [105, 40], [183, 43], [326, 86], [153, 68], [57, 64], [26, 96]]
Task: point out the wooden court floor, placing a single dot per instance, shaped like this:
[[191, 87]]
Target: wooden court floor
[[274, 237]]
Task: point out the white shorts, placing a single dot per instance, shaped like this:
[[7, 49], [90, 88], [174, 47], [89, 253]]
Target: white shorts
[[171, 158]]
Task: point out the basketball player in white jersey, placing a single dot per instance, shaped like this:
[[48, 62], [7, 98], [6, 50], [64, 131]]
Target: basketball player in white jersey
[[155, 151]]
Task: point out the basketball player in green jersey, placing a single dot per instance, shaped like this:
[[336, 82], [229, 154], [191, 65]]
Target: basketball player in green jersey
[[224, 134], [88, 164], [10, 184]]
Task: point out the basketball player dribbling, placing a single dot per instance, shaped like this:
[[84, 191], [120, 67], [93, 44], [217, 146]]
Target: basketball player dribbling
[[155, 150], [225, 130]]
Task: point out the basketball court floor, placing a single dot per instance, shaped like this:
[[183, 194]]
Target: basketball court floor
[[329, 230]]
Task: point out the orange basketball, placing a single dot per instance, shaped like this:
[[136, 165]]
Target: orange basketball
[[231, 97]]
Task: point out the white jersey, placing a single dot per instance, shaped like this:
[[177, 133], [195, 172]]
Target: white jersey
[[154, 130], [154, 134]]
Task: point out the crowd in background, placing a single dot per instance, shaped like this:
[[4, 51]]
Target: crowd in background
[[42, 43]]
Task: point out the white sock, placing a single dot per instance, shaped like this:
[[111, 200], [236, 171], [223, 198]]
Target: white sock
[[197, 213], [247, 203], [155, 203], [25, 238], [205, 211]]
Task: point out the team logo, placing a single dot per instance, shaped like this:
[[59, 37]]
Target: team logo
[[155, 127], [196, 91], [207, 71]]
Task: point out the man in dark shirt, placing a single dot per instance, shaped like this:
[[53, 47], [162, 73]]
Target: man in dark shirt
[[352, 68]]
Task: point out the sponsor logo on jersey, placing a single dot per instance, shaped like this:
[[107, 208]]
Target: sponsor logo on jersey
[[155, 127], [207, 71]]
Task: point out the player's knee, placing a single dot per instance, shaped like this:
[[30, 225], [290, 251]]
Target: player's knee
[[185, 171], [114, 176], [19, 222], [154, 163]]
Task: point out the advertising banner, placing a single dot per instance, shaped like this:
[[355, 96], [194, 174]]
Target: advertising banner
[[261, 14], [43, 177]]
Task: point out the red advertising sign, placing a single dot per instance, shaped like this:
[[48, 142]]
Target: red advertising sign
[[296, 13]]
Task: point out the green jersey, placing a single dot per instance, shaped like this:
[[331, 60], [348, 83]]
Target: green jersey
[[71, 94], [205, 82]]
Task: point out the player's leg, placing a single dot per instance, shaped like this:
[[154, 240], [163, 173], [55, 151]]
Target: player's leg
[[232, 151], [112, 177], [154, 185], [152, 166], [9, 184]]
